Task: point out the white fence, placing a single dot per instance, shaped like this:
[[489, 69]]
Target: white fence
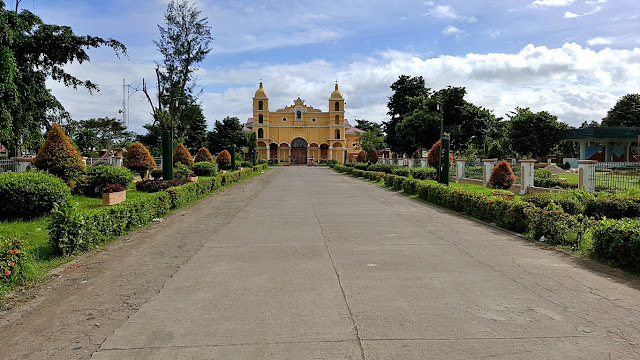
[[7, 165]]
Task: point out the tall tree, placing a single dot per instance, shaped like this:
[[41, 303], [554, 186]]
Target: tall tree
[[184, 43], [534, 133], [420, 127], [30, 53], [252, 145], [626, 112], [226, 133], [195, 128], [110, 131], [405, 88]]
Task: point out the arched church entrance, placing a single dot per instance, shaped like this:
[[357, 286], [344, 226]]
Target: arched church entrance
[[299, 151]]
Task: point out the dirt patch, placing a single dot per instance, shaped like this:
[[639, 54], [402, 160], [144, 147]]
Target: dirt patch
[[69, 315]]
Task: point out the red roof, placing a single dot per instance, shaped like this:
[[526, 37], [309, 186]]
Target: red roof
[[246, 129], [249, 120]]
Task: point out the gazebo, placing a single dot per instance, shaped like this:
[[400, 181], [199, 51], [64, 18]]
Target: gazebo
[[606, 143]]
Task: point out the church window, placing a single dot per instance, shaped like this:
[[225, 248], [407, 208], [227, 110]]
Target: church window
[[337, 134], [260, 119], [337, 106], [260, 105], [314, 119], [299, 115], [284, 119], [261, 133]]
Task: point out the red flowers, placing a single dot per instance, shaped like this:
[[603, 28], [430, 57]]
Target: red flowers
[[14, 251], [12, 264], [7, 272], [627, 235]]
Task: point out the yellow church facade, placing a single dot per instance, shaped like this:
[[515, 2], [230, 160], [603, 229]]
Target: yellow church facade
[[300, 133]]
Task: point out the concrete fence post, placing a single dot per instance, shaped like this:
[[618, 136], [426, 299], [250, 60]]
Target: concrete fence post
[[587, 175], [460, 164], [487, 168], [527, 172]]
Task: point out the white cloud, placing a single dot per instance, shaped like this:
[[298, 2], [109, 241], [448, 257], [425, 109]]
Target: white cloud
[[570, 15], [452, 30], [447, 12], [554, 3], [588, 2], [599, 41]]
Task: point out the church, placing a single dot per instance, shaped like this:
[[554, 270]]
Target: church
[[299, 133]]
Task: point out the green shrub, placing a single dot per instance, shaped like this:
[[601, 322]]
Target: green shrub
[[151, 186], [502, 176], [357, 173], [99, 176], [262, 161], [181, 171], [542, 174], [398, 182], [401, 171], [340, 168], [544, 178], [360, 165], [612, 207], [349, 164], [410, 186], [246, 164], [618, 241], [29, 195], [10, 257], [388, 180], [385, 168], [570, 201], [424, 173], [204, 168]]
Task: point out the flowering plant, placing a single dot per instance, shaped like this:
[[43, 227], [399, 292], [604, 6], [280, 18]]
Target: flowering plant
[[10, 257]]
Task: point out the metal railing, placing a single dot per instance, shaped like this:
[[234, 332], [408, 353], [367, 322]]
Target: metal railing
[[617, 175], [7, 165], [473, 169]]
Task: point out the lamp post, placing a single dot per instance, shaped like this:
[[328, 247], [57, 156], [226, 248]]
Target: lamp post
[[167, 140]]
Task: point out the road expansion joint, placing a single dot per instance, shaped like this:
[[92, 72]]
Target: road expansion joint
[[337, 274]]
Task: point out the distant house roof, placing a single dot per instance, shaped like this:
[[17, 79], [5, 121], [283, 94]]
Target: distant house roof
[[2, 148], [249, 120], [246, 129], [604, 132]]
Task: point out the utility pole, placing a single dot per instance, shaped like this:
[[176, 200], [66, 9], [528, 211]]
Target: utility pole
[[124, 104]]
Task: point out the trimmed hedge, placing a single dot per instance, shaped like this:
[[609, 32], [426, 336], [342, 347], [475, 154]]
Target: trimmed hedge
[[72, 230], [618, 242], [29, 195], [612, 207]]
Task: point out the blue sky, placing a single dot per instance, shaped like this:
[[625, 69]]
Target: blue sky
[[573, 58]]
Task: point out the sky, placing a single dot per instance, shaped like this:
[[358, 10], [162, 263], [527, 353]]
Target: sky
[[572, 58]]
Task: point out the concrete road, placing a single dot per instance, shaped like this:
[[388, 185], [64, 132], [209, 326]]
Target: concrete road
[[320, 265]]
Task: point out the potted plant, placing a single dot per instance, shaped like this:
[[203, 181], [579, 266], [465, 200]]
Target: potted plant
[[113, 194]]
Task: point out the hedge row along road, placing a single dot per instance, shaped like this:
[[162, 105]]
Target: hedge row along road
[[303, 263]]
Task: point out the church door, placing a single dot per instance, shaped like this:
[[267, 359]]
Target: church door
[[299, 151]]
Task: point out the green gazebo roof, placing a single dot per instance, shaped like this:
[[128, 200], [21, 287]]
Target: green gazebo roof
[[630, 133]]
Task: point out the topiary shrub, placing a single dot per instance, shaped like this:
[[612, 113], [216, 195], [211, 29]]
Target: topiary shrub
[[362, 157], [424, 173], [502, 176], [29, 195], [139, 159], [433, 158], [99, 176], [182, 156], [205, 168], [203, 155], [372, 157], [401, 171], [151, 186], [224, 160], [58, 156]]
